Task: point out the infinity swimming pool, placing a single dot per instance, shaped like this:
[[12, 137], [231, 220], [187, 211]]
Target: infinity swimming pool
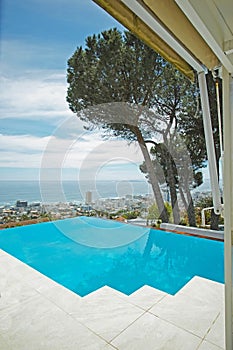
[[84, 254]]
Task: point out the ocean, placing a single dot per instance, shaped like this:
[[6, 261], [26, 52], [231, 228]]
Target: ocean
[[68, 191]]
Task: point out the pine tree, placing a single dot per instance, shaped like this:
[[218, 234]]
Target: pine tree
[[121, 86]]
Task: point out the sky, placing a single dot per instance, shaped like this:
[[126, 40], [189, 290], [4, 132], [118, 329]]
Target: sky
[[38, 131], [40, 138]]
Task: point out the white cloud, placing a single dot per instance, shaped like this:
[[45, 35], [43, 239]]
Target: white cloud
[[41, 95], [33, 86], [34, 97], [89, 152], [22, 143], [22, 151], [100, 153], [28, 90], [93, 159]]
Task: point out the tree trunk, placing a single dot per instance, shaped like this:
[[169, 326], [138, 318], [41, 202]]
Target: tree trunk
[[214, 221], [183, 198], [152, 177], [191, 210], [189, 207], [172, 187]]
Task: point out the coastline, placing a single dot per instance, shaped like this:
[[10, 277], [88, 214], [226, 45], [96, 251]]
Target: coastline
[[67, 190]]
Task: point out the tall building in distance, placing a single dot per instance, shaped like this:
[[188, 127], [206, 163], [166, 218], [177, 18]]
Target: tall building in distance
[[21, 204], [88, 197]]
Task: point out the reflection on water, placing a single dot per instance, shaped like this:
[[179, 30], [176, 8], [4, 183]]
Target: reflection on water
[[160, 259]]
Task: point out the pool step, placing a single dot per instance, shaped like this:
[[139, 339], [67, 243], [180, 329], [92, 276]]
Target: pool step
[[145, 297], [199, 286]]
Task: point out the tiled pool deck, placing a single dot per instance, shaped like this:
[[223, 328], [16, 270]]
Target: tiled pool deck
[[37, 314]]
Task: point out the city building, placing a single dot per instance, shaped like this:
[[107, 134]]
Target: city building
[[88, 197], [21, 204]]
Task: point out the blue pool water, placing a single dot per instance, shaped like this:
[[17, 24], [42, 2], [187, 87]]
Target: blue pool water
[[84, 254]]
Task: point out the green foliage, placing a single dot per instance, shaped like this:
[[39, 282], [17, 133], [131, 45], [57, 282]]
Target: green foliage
[[206, 202], [112, 68], [155, 99], [25, 217], [130, 215], [154, 215], [169, 210], [117, 68]]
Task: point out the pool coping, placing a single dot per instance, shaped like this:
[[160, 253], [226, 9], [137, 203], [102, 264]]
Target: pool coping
[[182, 230], [193, 231]]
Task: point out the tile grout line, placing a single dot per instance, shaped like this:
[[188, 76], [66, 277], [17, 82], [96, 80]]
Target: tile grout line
[[81, 323], [214, 321], [42, 294], [110, 342], [57, 304], [208, 331], [73, 318], [175, 325], [209, 342], [157, 303]]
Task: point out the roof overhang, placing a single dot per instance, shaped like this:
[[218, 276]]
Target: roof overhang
[[182, 31]]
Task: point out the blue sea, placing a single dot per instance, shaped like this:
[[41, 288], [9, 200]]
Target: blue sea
[[68, 191]]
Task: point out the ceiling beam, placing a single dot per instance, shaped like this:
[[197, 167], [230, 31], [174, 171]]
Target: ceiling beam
[[151, 22], [200, 26]]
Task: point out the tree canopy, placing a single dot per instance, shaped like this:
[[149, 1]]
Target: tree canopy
[[120, 85]]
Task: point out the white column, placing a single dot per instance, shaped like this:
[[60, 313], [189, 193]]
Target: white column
[[228, 203]]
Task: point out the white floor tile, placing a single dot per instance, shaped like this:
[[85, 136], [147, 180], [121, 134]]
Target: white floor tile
[[106, 314], [146, 297], [40, 325], [4, 345], [151, 333], [16, 269], [64, 298], [106, 292], [193, 315], [216, 334], [109, 347], [2, 253], [204, 289], [13, 290], [208, 346]]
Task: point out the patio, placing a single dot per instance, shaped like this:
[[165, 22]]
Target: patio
[[37, 313]]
